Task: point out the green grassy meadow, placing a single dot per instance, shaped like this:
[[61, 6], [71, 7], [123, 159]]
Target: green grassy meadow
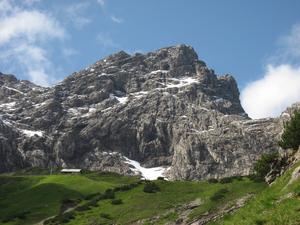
[[37, 197], [273, 206]]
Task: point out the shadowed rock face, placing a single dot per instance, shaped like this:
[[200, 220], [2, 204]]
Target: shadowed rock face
[[164, 108]]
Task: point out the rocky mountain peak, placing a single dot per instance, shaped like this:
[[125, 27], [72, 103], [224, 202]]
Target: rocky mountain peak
[[163, 108]]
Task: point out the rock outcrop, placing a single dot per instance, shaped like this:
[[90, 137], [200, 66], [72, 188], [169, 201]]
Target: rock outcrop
[[164, 108]]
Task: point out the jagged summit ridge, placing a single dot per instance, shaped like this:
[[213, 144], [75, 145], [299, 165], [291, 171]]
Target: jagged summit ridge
[[164, 108]]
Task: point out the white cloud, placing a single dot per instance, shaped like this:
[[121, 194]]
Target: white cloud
[[29, 25], [69, 51], [270, 95], [291, 43], [73, 15], [101, 2], [30, 2], [116, 19], [279, 87], [24, 35], [135, 51], [105, 40], [5, 6], [39, 77]]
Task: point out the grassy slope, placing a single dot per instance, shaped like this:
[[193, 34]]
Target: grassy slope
[[42, 194], [166, 203], [266, 208]]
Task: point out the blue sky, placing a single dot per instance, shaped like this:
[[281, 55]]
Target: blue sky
[[256, 41]]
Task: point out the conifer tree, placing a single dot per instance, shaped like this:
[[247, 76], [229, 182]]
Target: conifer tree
[[291, 135]]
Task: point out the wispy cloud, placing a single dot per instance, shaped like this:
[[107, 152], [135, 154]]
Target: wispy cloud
[[73, 15], [23, 37], [69, 51], [101, 2], [30, 26], [106, 41], [30, 2], [134, 51], [116, 19], [279, 87]]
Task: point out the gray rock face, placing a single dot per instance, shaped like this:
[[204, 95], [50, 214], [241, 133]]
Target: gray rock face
[[164, 108]]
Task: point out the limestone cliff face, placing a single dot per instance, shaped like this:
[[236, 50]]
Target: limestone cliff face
[[164, 108]]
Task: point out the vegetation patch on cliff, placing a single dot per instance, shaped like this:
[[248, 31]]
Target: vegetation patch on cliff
[[277, 204]]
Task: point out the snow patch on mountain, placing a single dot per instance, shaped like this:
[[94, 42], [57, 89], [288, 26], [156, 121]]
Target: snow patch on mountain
[[31, 133], [147, 173]]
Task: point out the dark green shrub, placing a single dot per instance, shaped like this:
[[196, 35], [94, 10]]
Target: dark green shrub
[[105, 215], [140, 182], [219, 194], [255, 178], [212, 180], [117, 189], [66, 200], [13, 217], [108, 190], [61, 218], [8, 219], [150, 187], [132, 185], [222, 191], [90, 196], [82, 208], [291, 135], [258, 179], [226, 215], [216, 197], [251, 176], [263, 165], [259, 221], [93, 203], [116, 201], [109, 194], [126, 188], [240, 178], [225, 180], [160, 178], [87, 205]]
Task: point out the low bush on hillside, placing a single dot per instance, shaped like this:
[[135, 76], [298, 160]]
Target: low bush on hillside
[[116, 189], [116, 201], [151, 187], [61, 218], [109, 194], [19, 216], [212, 180], [239, 178], [90, 196], [87, 205], [226, 180], [125, 188], [219, 194], [105, 215], [256, 178], [160, 178], [82, 208], [263, 166], [66, 200], [134, 185]]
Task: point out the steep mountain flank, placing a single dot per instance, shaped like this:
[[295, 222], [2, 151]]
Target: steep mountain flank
[[164, 108]]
